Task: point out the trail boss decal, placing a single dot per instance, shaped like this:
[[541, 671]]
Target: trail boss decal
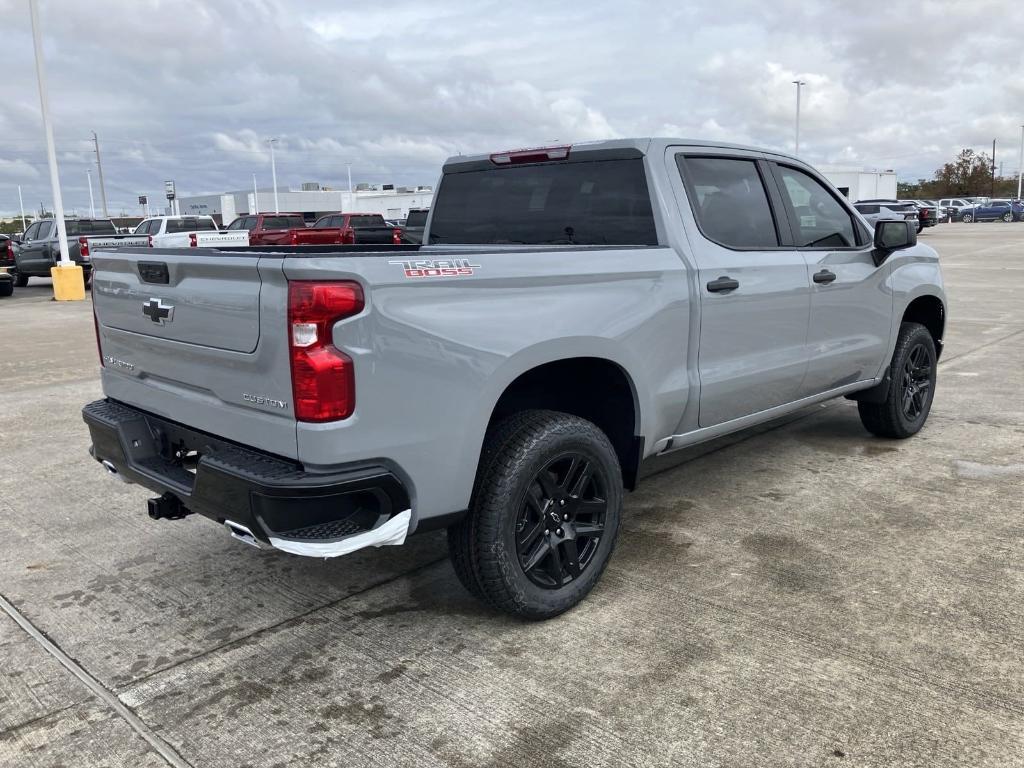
[[438, 267]]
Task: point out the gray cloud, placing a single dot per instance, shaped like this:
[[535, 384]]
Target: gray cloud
[[190, 90]]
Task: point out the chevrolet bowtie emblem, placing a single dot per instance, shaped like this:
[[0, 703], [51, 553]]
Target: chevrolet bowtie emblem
[[158, 312]]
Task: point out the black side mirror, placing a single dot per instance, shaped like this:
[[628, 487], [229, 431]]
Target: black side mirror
[[892, 236]]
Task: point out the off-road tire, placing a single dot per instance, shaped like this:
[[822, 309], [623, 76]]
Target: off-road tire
[[483, 544], [967, 218], [1007, 217], [20, 280], [889, 418], [6, 288]]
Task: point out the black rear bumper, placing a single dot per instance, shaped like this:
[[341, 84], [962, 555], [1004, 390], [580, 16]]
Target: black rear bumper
[[271, 496]]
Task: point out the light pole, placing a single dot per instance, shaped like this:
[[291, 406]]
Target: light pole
[[255, 196], [92, 203], [1020, 161], [799, 84], [273, 173], [51, 154], [21, 203], [99, 166]]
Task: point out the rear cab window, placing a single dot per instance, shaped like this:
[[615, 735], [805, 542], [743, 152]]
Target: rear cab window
[[416, 219], [98, 227], [283, 222], [366, 221], [573, 202]]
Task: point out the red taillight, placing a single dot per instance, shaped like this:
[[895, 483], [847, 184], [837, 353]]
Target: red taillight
[[83, 247], [537, 155], [10, 251], [193, 240], [294, 238], [323, 381], [396, 236]]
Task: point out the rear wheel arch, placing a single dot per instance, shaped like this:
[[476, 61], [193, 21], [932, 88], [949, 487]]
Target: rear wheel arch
[[593, 388]]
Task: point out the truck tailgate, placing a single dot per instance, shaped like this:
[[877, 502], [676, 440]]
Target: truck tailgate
[[209, 301], [198, 337]]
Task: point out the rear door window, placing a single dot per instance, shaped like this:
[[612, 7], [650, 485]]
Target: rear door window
[[817, 217], [729, 201], [600, 202]]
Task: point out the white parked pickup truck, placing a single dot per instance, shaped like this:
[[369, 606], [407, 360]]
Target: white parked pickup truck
[[187, 231]]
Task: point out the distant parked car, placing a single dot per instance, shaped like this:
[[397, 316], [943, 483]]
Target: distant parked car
[[414, 224], [7, 253], [39, 248], [6, 266], [348, 229], [995, 210], [955, 207], [887, 210], [269, 228], [188, 231], [927, 213]]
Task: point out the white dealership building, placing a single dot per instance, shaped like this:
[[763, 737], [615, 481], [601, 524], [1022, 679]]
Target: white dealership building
[[312, 200], [861, 183]]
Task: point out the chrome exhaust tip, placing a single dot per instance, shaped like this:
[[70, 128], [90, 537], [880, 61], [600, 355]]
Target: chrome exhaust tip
[[240, 532], [112, 470]]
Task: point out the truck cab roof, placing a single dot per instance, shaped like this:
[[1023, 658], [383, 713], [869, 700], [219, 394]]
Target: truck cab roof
[[605, 149]]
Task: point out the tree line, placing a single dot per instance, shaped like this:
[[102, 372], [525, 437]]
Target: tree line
[[968, 175]]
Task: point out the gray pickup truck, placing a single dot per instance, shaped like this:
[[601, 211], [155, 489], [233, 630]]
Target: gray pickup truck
[[573, 311], [38, 250]]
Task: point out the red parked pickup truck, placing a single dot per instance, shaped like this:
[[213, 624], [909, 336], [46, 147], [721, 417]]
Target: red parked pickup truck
[[269, 228], [347, 229]]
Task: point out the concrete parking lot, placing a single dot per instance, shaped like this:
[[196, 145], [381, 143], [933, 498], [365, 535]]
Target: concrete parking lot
[[805, 594]]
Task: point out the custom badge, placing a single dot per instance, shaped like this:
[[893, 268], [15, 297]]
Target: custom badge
[[437, 267]]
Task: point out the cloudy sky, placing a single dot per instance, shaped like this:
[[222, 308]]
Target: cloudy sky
[[190, 90]]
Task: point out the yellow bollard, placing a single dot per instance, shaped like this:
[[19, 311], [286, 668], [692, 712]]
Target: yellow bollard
[[68, 283]]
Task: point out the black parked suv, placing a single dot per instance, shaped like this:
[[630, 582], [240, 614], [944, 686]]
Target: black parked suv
[[38, 249]]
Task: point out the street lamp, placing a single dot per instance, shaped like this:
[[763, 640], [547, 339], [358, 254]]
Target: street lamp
[[799, 84], [273, 173], [92, 202], [1020, 161]]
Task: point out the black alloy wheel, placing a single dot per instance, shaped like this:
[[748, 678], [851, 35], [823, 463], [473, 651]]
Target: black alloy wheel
[[916, 381], [906, 396], [561, 521], [544, 515]]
